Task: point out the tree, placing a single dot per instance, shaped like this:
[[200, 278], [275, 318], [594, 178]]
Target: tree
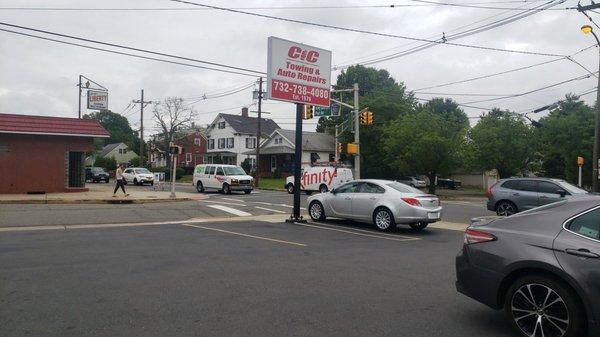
[[171, 116], [118, 127], [109, 164], [504, 141], [566, 133], [426, 141], [386, 98]]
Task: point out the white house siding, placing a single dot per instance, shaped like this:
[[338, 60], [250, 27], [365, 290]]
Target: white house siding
[[239, 146], [121, 158]]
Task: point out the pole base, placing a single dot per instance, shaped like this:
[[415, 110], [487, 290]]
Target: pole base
[[172, 196], [291, 219]]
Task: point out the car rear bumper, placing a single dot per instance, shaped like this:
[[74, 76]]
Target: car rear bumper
[[480, 284], [418, 214], [491, 205]]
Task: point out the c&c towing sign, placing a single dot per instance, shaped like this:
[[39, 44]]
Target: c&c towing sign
[[298, 73]]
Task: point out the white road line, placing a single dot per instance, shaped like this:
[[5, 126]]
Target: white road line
[[359, 234], [365, 231], [231, 199], [288, 206], [270, 210], [264, 203], [247, 235], [230, 210], [221, 202]]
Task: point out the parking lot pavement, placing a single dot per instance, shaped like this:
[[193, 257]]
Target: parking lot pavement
[[243, 278]]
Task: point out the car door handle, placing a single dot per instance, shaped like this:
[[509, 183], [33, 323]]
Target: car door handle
[[372, 198], [347, 198], [516, 194], [582, 253]]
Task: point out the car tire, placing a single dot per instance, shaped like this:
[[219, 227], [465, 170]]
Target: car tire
[[384, 219], [107, 181], [247, 191], [418, 226], [226, 189], [506, 208], [152, 183], [135, 182], [536, 289], [323, 188], [290, 188], [316, 211], [199, 187]]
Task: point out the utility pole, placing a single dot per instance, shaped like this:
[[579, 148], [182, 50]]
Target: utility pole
[[337, 154], [258, 130], [79, 106], [297, 166], [356, 133], [142, 102]]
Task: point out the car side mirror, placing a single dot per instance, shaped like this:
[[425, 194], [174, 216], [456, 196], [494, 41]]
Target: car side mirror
[[334, 191], [562, 193]]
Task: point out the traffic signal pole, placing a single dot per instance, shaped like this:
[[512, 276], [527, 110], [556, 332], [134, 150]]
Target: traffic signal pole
[[356, 133], [297, 165]]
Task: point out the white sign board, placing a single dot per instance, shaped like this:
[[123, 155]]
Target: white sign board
[[298, 73], [97, 100]]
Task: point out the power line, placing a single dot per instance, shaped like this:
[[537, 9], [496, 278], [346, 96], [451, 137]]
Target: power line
[[366, 31], [133, 48], [466, 5]]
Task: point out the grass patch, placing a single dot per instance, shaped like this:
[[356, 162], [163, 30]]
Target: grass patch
[[186, 179], [271, 183]]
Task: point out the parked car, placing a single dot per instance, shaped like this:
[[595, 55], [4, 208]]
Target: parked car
[[224, 178], [540, 266], [448, 183], [412, 181], [138, 176], [509, 196], [96, 174], [385, 203], [320, 178]]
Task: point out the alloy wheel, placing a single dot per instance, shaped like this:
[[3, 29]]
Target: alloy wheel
[[539, 311], [383, 219], [316, 211], [505, 209]]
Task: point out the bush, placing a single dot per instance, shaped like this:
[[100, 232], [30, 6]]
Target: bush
[[276, 174], [247, 165], [179, 172], [109, 164]]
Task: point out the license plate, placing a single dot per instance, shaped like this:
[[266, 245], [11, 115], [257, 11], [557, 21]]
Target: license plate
[[434, 215]]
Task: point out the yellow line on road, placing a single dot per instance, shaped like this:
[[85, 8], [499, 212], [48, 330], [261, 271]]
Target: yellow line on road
[[246, 235], [359, 234]]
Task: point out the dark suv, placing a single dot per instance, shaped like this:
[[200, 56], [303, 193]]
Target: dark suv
[[513, 195], [96, 174]]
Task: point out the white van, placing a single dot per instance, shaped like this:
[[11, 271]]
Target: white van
[[224, 178], [320, 178]]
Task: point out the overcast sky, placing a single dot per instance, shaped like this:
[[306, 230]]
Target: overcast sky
[[39, 77]]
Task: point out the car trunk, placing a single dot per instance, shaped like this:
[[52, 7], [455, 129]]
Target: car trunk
[[428, 201]]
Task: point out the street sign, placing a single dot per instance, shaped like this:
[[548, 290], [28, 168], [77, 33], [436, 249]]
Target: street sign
[[298, 73], [97, 100], [335, 110], [580, 161]]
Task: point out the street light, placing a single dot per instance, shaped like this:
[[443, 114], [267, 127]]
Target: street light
[[586, 30]]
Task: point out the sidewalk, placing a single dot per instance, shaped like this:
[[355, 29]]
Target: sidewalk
[[100, 194]]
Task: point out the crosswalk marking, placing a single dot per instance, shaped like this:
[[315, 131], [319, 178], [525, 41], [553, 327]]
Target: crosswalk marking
[[230, 210], [231, 199], [270, 210], [221, 202]]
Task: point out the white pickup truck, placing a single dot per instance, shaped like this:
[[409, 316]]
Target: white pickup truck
[[320, 178]]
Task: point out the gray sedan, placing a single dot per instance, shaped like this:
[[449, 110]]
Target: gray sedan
[[384, 202]]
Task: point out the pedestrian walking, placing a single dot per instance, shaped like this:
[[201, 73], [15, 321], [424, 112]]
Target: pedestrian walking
[[120, 181]]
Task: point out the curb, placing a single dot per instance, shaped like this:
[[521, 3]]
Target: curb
[[93, 201]]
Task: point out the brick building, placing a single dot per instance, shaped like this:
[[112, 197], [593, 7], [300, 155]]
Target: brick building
[[45, 154], [194, 149]]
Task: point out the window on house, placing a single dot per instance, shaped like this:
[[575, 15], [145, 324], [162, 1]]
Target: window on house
[[221, 125], [251, 143], [120, 151], [221, 144], [230, 143], [188, 157], [211, 144], [273, 163], [197, 141]]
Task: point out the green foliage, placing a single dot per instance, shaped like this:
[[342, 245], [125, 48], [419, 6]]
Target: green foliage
[[565, 134], [247, 165], [427, 141], [109, 164], [136, 161], [118, 127], [502, 141], [179, 172]]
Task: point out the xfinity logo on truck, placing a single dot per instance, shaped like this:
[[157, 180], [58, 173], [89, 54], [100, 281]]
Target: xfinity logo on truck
[[309, 56], [326, 177]]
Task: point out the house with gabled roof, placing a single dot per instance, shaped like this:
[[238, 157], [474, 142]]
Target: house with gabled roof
[[231, 137], [120, 152]]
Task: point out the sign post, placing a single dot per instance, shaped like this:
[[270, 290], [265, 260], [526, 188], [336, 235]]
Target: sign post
[[301, 74], [580, 164]]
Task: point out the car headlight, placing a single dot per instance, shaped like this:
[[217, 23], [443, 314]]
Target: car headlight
[[234, 180]]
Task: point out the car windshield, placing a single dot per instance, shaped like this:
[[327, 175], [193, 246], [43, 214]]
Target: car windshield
[[403, 188], [234, 171], [142, 171], [97, 169], [571, 188]]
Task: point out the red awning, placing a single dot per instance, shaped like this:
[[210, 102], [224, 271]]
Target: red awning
[[52, 126]]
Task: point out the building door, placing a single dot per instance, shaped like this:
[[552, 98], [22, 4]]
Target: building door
[[76, 172]]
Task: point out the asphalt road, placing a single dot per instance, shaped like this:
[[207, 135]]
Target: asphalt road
[[217, 205], [236, 279]]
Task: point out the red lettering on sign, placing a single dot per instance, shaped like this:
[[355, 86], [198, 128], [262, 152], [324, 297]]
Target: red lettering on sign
[[310, 56]]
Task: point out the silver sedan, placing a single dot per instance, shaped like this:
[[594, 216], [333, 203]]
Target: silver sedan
[[384, 202]]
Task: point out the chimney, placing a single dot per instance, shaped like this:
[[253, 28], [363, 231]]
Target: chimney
[[244, 112]]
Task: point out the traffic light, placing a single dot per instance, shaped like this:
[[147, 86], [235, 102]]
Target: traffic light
[[352, 148], [175, 149], [340, 147], [366, 118], [308, 112]]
